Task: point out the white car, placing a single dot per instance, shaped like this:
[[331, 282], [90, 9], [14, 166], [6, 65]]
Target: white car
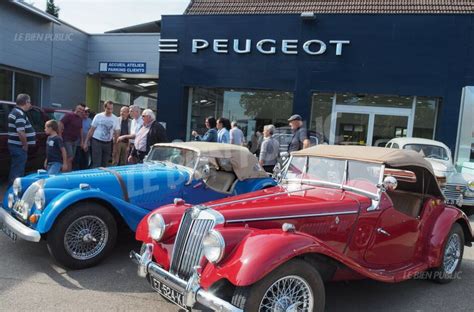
[[458, 187]]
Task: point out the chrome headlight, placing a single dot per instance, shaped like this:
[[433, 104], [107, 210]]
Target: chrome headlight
[[39, 199], [17, 187], [213, 246], [470, 185], [11, 199], [156, 226]]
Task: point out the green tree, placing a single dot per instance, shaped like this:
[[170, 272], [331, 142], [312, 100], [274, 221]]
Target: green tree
[[51, 8]]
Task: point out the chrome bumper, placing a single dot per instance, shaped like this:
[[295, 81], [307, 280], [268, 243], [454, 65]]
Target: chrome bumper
[[192, 291], [21, 230]]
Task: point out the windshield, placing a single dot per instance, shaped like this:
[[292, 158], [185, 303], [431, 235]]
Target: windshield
[[360, 175], [178, 156], [429, 151]]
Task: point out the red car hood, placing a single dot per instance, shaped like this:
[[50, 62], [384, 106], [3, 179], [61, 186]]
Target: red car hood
[[290, 200]]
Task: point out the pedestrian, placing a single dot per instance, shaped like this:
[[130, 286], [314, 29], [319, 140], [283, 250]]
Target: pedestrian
[[270, 149], [72, 133], [150, 133], [102, 134], [56, 155], [84, 156], [255, 142], [223, 126], [21, 135], [135, 125], [211, 134], [121, 148], [300, 138], [236, 135]]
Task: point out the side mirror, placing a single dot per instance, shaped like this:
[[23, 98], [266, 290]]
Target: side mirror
[[206, 172], [390, 183], [277, 172]]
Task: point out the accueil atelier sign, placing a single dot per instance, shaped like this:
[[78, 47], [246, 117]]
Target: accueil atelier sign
[[264, 46]]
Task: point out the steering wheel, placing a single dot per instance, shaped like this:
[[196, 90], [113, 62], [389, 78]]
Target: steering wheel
[[435, 156]]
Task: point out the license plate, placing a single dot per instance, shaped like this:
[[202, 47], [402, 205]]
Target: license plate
[[8, 232], [169, 293]]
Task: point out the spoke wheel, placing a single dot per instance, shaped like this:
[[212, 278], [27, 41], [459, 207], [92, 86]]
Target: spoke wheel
[[295, 286], [86, 237], [82, 236], [288, 294], [451, 256]]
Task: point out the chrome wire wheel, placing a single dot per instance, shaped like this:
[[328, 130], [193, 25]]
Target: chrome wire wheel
[[452, 254], [288, 294], [86, 237]]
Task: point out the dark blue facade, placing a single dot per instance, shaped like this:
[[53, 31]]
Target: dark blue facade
[[423, 55]]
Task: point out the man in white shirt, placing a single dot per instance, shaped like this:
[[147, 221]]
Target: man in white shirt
[[104, 132], [137, 123], [236, 135]]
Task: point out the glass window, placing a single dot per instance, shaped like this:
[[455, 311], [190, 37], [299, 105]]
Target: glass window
[[429, 151], [30, 85], [363, 175], [326, 170], [3, 118], [6, 83], [252, 109], [114, 95], [36, 119], [395, 145], [296, 168], [321, 108], [375, 100], [425, 117]]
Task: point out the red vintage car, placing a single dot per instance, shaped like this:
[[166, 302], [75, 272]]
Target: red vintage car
[[339, 213]]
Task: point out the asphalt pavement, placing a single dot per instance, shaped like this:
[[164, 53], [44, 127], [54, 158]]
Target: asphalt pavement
[[31, 280]]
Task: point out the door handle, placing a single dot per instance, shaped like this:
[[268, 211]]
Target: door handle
[[382, 231]]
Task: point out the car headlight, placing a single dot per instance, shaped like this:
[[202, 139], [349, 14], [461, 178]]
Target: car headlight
[[213, 246], [11, 199], [156, 226], [470, 185], [39, 199], [17, 187]]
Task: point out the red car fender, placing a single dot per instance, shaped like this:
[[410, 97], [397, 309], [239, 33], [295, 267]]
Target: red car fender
[[261, 252], [440, 231]]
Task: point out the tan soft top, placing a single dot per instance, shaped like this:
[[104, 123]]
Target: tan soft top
[[395, 158], [244, 164]]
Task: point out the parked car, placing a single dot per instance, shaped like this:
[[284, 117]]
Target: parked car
[[284, 136], [458, 187], [340, 213], [78, 213], [36, 153]]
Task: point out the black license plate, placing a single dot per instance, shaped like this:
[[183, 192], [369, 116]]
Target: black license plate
[[8, 232], [168, 292]]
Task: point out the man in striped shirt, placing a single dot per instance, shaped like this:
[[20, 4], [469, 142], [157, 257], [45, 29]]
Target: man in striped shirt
[[20, 135]]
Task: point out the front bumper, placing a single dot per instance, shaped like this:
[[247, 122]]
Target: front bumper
[[193, 293], [21, 230]]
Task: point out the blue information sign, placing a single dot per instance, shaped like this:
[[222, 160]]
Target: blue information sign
[[123, 67]]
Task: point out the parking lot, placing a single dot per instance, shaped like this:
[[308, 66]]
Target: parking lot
[[29, 279]]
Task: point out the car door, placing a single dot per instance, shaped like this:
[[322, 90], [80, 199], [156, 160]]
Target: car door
[[395, 235]]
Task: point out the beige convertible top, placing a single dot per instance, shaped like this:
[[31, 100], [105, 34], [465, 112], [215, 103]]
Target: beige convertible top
[[244, 164], [395, 158]]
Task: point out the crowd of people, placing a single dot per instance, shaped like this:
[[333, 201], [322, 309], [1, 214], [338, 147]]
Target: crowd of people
[[80, 140]]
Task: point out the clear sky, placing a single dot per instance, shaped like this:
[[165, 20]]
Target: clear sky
[[98, 16]]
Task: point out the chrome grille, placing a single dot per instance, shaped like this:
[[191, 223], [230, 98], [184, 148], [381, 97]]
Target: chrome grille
[[453, 191], [187, 251]]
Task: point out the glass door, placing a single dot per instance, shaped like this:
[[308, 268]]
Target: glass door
[[352, 129], [387, 127]]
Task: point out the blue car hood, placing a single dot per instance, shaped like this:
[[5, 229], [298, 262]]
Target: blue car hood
[[145, 184]]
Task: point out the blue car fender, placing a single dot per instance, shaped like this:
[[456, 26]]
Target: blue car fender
[[130, 213], [252, 185]]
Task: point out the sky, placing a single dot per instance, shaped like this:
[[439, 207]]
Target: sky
[[98, 16]]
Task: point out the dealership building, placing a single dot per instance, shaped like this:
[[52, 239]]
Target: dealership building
[[358, 71]]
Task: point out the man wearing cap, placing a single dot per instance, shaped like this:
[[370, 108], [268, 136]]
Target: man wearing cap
[[300, 138]]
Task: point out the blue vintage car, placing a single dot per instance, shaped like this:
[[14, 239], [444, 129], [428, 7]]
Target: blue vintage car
[[79, 213]]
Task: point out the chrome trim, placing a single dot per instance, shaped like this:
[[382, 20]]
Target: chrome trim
[[191, 290], [259, 197], [19, 228], [324, 214]]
